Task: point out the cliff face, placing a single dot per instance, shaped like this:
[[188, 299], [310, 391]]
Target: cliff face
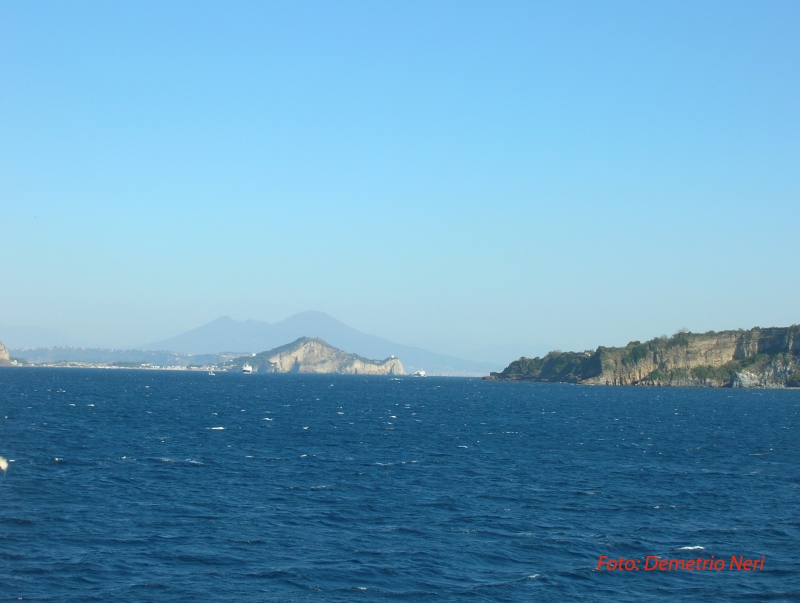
[[754, 358], [308, 355], [4, 358]]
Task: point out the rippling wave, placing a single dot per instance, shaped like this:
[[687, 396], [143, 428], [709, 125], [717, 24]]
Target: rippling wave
[[159, 486]]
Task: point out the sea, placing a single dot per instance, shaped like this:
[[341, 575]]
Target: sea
[[145, 485]]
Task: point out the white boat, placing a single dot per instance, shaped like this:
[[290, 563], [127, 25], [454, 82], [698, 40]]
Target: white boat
[[247, 369], [211, 372], [420, 374]]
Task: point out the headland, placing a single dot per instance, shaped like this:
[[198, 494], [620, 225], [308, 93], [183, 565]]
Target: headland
[[763, 358], [311, 355]]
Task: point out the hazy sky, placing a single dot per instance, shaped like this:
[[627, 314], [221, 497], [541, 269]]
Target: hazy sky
[[466, 177]]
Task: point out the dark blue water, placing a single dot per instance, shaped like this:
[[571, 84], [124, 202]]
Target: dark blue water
[[371, 489]]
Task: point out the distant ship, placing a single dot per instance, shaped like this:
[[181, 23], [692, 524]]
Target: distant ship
[[247, 369], [420, 374]]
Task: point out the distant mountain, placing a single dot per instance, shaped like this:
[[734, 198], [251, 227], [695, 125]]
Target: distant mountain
[[308, 355], [253, 336]]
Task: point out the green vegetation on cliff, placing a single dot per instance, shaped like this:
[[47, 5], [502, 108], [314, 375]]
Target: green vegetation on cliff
[[754, 358], [556, 367]]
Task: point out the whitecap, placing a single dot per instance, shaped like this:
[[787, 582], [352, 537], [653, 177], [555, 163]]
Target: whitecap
[[216, 428], [267, 419], [690, 548], [463, 446]]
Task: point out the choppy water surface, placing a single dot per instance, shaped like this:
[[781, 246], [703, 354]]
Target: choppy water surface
[[159, 486]]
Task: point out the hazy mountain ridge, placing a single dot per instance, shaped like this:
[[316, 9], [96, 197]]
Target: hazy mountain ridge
[[18, 337], [225, 338], [226, 334], [58, 354], [310, 355], [768, 358]]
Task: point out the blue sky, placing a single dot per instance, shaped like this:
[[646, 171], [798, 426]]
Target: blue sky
[[484, 179]]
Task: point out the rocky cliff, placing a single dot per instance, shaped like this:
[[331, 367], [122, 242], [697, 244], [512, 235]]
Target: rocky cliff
[[756, 358], [4, 358], [307, 355]]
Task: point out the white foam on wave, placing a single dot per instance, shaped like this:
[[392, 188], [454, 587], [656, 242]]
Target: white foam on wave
[[216, 428], [691, 548]]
